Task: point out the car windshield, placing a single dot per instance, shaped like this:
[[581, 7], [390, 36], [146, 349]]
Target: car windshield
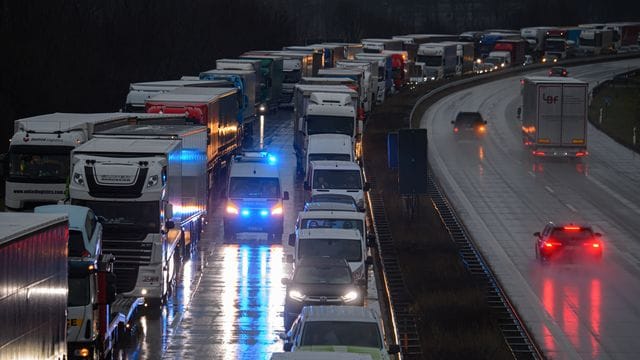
[[341, 333], [312, 223], [38, 164], [126, 220], [76, 243], [337, 179], [325, 156], [318, 124], [333, 275], [79, 291], [565, 236], [336, 248], [254, 187]]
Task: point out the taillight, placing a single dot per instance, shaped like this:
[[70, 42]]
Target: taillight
[[538, 153], [547, 244], [482, 128], [595, 245], [581, 153], [572, 228], [455, 129]]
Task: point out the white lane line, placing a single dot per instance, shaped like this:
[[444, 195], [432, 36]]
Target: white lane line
[[549, 189], [531, 173], [571, 207], [618, 197]]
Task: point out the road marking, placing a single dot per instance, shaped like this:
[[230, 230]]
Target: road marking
[[531, 173], [572, 208], [549, 189]]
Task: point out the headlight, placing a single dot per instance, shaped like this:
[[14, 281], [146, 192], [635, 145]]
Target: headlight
[[232, 209], [544, 60], [350, 296], [277, 210], [296, 295], [78, 178], [153, 180]]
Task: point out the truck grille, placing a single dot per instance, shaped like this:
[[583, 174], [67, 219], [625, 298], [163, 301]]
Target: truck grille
[[129, 256], [107, 191]]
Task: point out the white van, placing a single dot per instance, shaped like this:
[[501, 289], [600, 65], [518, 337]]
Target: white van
[[336, 177], [337, 243], [85, 232], [254, 196], [328, 147]]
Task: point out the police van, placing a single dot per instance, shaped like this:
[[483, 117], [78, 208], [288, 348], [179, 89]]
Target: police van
[[254, 196]]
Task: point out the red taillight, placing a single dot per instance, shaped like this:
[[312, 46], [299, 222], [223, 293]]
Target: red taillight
[[538, 153], [581, 153], [548, 244], [572, 228], [455, 129]]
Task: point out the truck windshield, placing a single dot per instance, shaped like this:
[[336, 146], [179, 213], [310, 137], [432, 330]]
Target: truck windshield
[[319, 124], [39, 164], [291, 76], [126, 220], [555, 45], [337, 179], [337, 157], [341, 248], [254, 187], [430, 60], [332, 224], [79, 291], [342, 333]]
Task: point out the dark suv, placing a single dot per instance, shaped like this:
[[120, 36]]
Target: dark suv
[[470, 123], [321, 281]]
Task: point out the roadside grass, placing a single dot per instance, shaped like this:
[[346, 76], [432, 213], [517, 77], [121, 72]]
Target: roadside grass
[[455, 321], [620, 104]]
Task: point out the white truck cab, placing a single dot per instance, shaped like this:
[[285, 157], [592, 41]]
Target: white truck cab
[[339, 328], [254, 196], [328, 147], [336, 177]]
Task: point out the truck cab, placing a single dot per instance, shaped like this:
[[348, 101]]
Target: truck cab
[[499, 59], [254, 196], [328, 147], [336, 177]]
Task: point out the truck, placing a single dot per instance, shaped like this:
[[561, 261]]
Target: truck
[[596, 42], [149, 195], [399, 66], [535, 37], [140, 92], [33, 279], [440, 59], [38, 157], [554, 116], [357, 74], [489, 40], [246, 83], [625, 35], [262, 89], [499, 59], [516, 49], [324, 110], [217, 110], [370, 77], [378, 45], [557, 44], [331, 54], [385, 73], [349, 50], [271, 67]]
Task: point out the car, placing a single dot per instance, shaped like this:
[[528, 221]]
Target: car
[[321, 281], [548, 59], [557, 241], [332, 202], [558, 71], [341, 329], [469, 123]]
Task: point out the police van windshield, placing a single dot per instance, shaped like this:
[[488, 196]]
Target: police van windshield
[[337, 179], [254, 187]]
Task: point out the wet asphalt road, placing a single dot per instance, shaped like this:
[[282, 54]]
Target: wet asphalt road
[[228, 300]]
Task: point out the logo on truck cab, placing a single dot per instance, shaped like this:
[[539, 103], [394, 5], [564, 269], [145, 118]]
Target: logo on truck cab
[[550, 99]]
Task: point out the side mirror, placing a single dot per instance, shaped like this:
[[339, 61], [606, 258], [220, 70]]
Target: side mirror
[[394, 349], [287, 346], [292, 239], [285, 195], [289, 259], [536, 234], [598, 235], [368, 261], [169, 224], [285, 281], [371, 240], [306, 186], [366, 187]]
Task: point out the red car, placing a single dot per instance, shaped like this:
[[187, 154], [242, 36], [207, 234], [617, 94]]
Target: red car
[[567, 240]]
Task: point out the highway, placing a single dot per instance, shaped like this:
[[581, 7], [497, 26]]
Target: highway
[[229, 300], [575, 310]]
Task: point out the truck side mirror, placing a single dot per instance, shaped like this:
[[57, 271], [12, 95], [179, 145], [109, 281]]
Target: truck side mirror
[[285, 195], [292, 239], [394, 349], [170, 224], [536, 234], [306, 186], [366, 187]]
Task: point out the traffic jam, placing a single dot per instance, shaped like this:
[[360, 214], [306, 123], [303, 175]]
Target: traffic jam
[[120, 202]]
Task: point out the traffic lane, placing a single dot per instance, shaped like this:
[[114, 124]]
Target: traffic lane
[[512, 202]]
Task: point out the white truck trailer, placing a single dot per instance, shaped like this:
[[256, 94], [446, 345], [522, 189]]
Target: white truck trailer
[[554, 116], [33, 283], [371, 76], [140, 190], [140, 92], [439, 59]]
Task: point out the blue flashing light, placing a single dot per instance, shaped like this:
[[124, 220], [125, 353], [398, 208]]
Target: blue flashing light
[[245, 212], [272, 159], [264, 213], [188, 155]]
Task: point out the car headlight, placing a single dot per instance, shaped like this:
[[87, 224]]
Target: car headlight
[[78, 178], [350, 296], [232, 209], [153, 181], [297, 295]]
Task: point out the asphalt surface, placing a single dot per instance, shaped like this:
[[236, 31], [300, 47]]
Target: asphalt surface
[[228, 301], [575, 309]]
